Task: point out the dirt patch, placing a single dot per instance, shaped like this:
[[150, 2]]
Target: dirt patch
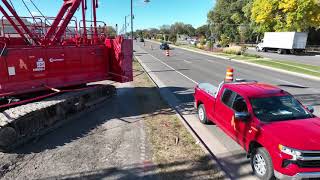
[[174, 149]]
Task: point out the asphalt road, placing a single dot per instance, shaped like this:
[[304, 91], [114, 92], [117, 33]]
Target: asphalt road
[[311, 58], [182, 70]]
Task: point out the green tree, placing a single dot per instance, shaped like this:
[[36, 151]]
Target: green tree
[[203, 31], [181, 28], [231, 18], [286, 15]]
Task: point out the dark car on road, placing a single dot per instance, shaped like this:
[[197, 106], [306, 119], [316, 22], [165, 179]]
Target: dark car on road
[[164, 46], [141, 40]]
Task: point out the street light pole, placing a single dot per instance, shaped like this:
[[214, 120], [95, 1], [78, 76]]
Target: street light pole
[[131, 20], [132, 16]]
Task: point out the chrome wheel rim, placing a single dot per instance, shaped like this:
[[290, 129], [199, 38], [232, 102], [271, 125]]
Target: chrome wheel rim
[[201, 114], [259, 165]]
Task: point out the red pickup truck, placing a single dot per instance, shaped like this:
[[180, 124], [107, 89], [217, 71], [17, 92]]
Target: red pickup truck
[[279, 134]]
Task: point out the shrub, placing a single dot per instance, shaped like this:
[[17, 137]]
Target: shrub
[[225, 40], [252, 55], [232, 50], [200, 46]]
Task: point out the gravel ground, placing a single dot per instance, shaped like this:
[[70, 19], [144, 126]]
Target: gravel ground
[[103, 143]]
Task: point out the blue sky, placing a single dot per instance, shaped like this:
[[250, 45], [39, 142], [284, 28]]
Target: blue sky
[[153, 14]]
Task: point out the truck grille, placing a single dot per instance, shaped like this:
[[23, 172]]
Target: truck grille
[[311, 154], [308, 164]]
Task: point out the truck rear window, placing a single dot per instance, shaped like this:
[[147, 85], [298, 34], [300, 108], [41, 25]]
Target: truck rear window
[[278, 108], [228, 97]]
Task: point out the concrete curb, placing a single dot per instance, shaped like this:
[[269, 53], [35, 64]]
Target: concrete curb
[[169, 98], [248, 63]]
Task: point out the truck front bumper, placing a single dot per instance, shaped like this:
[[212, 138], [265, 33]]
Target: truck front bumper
[[305, 175]]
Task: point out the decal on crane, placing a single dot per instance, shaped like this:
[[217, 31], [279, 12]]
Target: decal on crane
[[41, 65], [12, 71], [55, 60]]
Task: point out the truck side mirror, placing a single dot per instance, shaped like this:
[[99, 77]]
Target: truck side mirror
[[310, 109], [243, 116]]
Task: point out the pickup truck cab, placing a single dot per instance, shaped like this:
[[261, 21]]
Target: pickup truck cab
[[279, 134]]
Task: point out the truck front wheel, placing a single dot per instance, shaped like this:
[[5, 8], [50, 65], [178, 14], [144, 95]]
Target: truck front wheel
[[262, 164], [202, 114]]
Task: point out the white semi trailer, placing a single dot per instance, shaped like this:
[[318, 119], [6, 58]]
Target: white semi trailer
[[283, 42]]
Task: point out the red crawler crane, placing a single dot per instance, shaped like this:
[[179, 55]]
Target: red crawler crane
[[59, 52]]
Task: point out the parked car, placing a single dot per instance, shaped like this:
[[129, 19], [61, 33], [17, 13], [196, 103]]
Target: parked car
[[283, 42], [141, 40], [279, 134], [164, 46]]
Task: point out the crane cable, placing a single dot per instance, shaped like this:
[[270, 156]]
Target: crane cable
[[34, 20], [12, 5], [45, 18]]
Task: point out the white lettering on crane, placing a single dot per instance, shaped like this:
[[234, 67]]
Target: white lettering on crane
[[55, 60]]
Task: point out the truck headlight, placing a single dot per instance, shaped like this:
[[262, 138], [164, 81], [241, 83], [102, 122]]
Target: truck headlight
[[293, 152]]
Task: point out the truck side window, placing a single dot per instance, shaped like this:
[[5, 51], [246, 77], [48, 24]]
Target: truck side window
[[228, 97], [239, 104]]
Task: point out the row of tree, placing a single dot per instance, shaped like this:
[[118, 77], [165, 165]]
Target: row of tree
[[247, 20], [169, 32]]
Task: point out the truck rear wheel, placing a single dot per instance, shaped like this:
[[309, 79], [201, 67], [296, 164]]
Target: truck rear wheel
[[262, 164], [281, 51], [202, 114]]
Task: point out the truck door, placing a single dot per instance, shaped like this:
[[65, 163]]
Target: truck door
[[240, 128], [224, 112]]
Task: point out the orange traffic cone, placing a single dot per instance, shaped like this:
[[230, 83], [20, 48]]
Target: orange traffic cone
[[229, 75], [167, 53]]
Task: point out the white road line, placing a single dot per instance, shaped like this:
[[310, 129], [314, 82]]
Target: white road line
[[170, 67], [187, 61], [174, 69]]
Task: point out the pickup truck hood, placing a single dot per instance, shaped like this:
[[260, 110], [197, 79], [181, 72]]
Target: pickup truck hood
[[298, 134]]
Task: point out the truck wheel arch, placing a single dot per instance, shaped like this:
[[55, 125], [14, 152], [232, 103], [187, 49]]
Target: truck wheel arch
[[252, 146], [199, 103]]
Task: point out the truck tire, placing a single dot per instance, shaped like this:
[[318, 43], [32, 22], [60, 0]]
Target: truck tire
[[257, 49], [280, 51], [262, 164], [202, 114]]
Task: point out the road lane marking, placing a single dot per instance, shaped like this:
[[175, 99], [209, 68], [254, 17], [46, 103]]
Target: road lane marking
[[173, 69], [170, 67], [187, 61]]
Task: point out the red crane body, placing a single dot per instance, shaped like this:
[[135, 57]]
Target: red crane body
[[42, 54]]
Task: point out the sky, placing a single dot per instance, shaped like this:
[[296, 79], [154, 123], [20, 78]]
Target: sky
[[147, 15]]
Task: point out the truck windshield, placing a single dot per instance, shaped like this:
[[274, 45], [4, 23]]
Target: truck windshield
[[278, 108]]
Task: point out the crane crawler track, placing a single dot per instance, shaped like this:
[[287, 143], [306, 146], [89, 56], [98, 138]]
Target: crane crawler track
[[23, 123]]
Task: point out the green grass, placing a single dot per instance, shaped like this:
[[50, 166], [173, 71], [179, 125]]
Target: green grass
[[306, 66], [289, 67]]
